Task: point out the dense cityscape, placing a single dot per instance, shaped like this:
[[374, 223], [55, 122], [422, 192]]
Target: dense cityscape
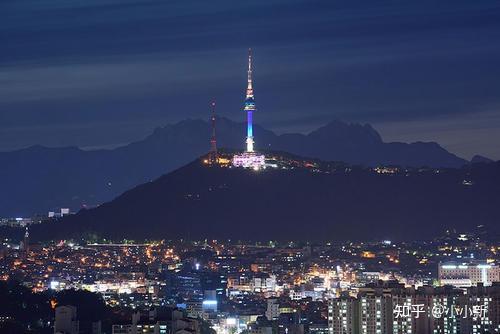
[[294, 287]]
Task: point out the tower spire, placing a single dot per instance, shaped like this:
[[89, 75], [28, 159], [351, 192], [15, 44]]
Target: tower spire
[[249, 77], [213, 140]]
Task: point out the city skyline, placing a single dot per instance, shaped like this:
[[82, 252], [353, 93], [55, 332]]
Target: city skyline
[[302, 287]]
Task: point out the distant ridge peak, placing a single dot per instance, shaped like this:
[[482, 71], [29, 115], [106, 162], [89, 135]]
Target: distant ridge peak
[[480, 159], [337, 128]]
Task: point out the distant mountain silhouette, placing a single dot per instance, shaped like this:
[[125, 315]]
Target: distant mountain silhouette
[[196, 201], [480, 159], [37, 179]]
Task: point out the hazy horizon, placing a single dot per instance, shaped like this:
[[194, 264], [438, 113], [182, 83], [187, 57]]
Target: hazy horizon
[[99, 73]]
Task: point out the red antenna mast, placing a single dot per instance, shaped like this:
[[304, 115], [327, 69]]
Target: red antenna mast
[[214, 156]]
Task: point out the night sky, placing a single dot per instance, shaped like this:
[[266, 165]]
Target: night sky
[[100, 73]]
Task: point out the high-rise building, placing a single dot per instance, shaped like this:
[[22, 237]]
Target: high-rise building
[[343, 315], [272, 311], [375, 311], [390, 308], [486, 299], [188, 286], [209, 304]]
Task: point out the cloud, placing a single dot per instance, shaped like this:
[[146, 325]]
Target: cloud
[[88, 62]]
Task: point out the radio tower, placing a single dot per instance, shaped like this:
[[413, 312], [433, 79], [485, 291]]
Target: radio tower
[[214, 156], [249, 105]]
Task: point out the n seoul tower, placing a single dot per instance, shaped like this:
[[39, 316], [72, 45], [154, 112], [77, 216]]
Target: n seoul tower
[[249, 158], [249, 105]]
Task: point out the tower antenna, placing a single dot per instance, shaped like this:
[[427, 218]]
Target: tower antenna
[[214, 156]]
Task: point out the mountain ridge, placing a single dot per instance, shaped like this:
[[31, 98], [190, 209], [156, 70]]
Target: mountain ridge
[[353, 203], [38, 179]]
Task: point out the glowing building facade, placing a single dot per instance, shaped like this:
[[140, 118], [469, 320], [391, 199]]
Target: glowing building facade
[[249, 159], [464, 275]]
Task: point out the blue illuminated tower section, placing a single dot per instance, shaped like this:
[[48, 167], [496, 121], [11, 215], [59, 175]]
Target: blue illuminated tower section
[[249, 105]]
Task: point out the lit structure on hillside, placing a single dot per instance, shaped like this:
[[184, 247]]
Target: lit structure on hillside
[[213, 156], [249, 158]]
